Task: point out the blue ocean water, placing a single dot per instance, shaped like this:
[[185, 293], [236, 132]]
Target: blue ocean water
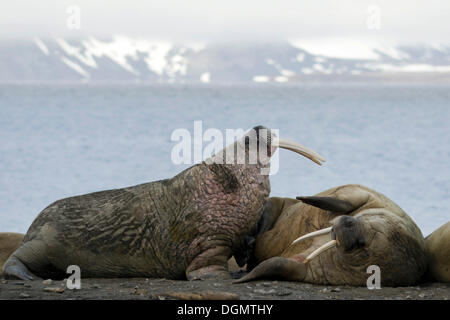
[[60, 141]]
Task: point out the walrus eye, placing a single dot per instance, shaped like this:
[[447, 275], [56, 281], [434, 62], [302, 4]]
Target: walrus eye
[[349, 224], [361, 242], [263, 135]]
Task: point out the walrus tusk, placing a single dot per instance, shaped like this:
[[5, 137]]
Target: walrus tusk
[[319, 250], [304, 151], [313, 234]]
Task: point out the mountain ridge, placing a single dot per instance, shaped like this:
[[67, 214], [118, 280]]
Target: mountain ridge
[[125, 59]]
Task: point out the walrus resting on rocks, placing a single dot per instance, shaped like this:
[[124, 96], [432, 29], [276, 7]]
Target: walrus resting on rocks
[[333, 237], [438, 248], [9, 242], [184, 227]]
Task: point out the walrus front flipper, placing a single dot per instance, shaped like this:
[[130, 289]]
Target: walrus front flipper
[[276, 268], [210, 264], [328, 203], [15, 269]]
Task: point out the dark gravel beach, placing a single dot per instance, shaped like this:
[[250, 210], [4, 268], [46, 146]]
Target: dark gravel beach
[[162, 289]]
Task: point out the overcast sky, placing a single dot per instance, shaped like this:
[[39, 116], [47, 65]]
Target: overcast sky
[[228, 20]]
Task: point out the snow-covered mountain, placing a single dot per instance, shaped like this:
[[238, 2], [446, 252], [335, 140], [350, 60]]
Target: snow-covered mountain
[[125, 59]]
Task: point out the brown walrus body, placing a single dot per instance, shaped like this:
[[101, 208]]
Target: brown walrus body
[[184, 227], [9, 242], [367, 228], [438, 248]]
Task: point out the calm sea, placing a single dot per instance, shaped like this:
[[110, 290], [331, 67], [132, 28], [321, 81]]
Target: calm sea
[[60, 141]]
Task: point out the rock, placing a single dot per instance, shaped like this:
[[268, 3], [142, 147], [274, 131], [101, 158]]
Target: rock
[[4, 281], [205, 295], [47, 282], [283, 293], [140, 292], [335, 290], [24, 295], [265, 292], [54, 289], [157, 297]]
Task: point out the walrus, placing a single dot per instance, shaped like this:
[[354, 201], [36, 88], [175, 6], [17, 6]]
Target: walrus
[[438, 249], [9, 242], [184, 227], [333, 237]]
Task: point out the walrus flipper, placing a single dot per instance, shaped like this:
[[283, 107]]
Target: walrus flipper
[[210, 264], [15, 269], [328, 203], [276, 268]]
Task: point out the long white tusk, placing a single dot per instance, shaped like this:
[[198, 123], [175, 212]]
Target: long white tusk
[[304, 151], [319, 250], [312, 234]]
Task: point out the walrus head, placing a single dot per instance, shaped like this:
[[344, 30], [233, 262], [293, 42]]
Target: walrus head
[[257, 146], [373, 237], [367, 230]]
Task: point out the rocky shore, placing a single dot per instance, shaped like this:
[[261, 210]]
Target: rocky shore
[[163, 289]]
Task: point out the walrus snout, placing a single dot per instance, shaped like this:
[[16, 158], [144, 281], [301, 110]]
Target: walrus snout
[[348, 233]]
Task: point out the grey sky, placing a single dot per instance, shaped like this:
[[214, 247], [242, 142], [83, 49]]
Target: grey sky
[[227, 20]]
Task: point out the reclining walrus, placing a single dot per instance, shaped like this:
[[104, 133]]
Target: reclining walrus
[[438, 248], [184, 227], [333, 237]]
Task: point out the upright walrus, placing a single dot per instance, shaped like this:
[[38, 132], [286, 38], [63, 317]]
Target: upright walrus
[[333, 237], [184, 227]]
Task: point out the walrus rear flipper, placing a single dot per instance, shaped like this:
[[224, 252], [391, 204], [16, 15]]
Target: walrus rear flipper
[[276, 268], [328, 203], [15, 269]]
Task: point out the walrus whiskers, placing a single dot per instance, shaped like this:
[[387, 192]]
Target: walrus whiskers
[[319, 250], [312, 234]]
